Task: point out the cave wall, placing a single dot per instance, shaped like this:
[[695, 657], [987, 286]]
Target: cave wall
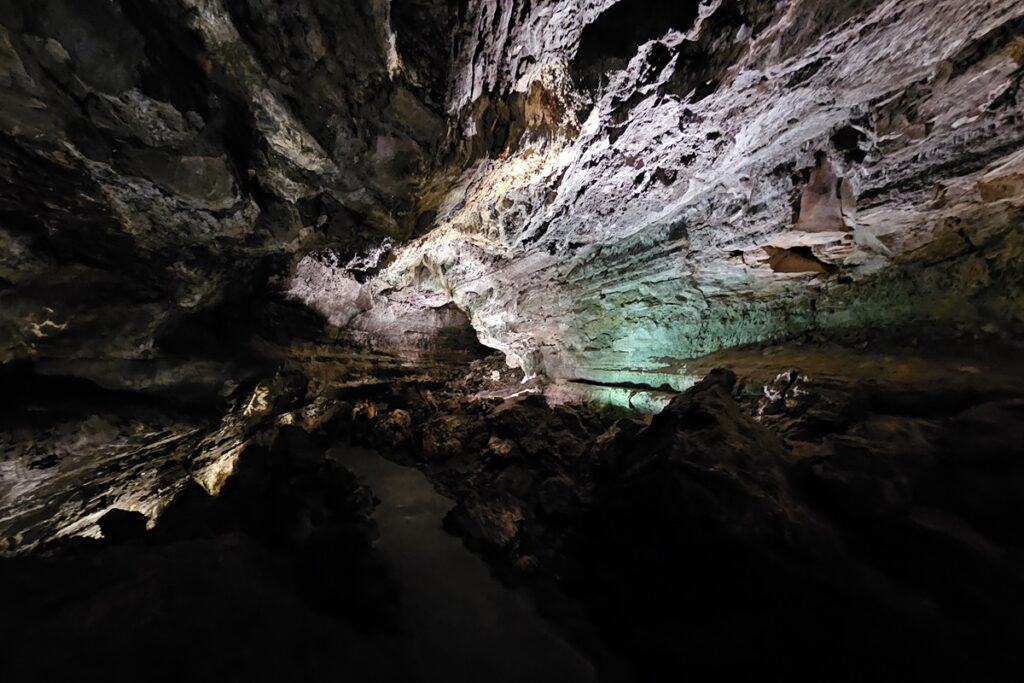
[[746, 171], [605, 189], [165, 158]]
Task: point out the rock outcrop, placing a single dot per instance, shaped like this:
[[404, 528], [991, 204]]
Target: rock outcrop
[[842, 524], [273, 578], [606, 190]]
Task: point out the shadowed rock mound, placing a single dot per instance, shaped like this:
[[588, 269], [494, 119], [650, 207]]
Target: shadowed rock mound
[[816, 528]]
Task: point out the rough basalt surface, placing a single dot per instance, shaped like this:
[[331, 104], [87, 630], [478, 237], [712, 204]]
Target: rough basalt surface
[[275, 577], [605, 189], [720, 173]]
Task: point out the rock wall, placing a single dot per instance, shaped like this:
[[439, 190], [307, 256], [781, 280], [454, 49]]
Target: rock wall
[[605, 189], [166, 157], [643, 182]]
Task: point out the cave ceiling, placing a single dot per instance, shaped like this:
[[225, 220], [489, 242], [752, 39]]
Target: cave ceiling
[[605, 190]]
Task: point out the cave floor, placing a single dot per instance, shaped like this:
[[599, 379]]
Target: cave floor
[[464, 624], [893, 473]]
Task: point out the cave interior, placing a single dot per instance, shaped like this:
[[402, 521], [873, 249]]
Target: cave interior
[[511, 340]]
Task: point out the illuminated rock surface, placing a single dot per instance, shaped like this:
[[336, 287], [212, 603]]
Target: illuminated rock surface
[[164, 158], [603, 203], [756, 170]]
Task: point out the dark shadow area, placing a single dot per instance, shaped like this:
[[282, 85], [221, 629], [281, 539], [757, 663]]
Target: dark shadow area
[[824, 528], [274, 579], [610, 41]]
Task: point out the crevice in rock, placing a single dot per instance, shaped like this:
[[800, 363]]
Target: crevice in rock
[[796, 260], [608, 42], [623, 385]]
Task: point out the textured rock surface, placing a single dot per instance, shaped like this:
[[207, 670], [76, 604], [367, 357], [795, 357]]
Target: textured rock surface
[[273, 578], [164, 158], [605, 189], [70, 452], [648, 182], [236, 233]]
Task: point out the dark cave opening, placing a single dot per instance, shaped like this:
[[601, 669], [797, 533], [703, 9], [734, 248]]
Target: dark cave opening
[[611, 40]]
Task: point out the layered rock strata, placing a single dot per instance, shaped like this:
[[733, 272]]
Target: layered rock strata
[[640, 193]]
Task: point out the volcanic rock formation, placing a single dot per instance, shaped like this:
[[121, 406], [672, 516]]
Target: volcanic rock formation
[[719, 174], [705, 314]]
